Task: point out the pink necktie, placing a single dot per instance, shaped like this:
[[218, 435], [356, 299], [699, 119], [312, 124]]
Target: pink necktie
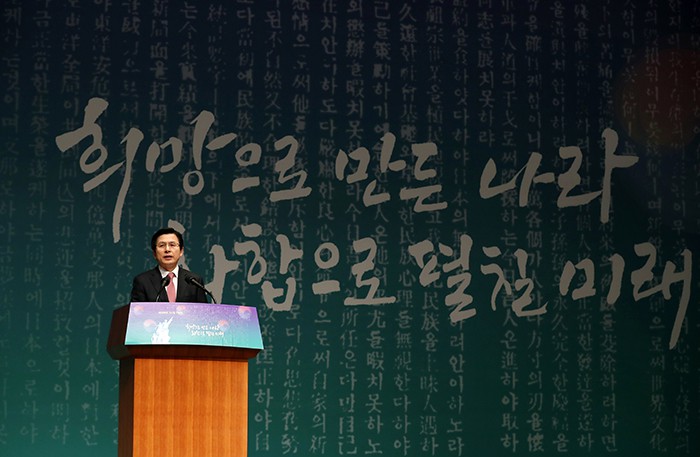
[[172, 294]]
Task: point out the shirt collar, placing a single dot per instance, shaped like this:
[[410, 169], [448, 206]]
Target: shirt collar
[[164, 273]]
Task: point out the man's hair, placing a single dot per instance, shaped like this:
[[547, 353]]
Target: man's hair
[[167, 231]]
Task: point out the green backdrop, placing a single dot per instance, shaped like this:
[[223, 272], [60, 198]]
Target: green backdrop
[[469, 227]]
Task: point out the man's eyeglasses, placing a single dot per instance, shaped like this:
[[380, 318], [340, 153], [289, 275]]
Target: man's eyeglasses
[[167, 245]]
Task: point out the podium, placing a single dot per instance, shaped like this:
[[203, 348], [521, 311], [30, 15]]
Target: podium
[[183, 377]]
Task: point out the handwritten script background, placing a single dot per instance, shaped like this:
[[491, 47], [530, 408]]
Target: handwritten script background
[[469, 228]]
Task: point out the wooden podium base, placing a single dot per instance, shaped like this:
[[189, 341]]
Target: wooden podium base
[[183, 408]]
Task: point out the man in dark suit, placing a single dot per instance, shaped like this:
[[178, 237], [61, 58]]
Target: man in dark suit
[[168, 246]]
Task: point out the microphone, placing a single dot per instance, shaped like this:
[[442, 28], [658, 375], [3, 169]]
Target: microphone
[[163, 284], [194, 282]]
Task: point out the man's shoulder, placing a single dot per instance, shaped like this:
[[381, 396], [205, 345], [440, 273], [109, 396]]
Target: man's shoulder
[[147, 274], [185, 273]]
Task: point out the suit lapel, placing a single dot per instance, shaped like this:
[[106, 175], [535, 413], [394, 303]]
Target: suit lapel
[[155, 279], [181, 285]]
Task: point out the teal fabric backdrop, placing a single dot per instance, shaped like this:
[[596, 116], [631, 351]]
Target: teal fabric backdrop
[[469, 227]]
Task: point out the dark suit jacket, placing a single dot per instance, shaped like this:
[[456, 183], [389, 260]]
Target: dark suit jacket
[[147, 284]]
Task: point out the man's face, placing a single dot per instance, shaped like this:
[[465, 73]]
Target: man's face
[[168, 251]]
